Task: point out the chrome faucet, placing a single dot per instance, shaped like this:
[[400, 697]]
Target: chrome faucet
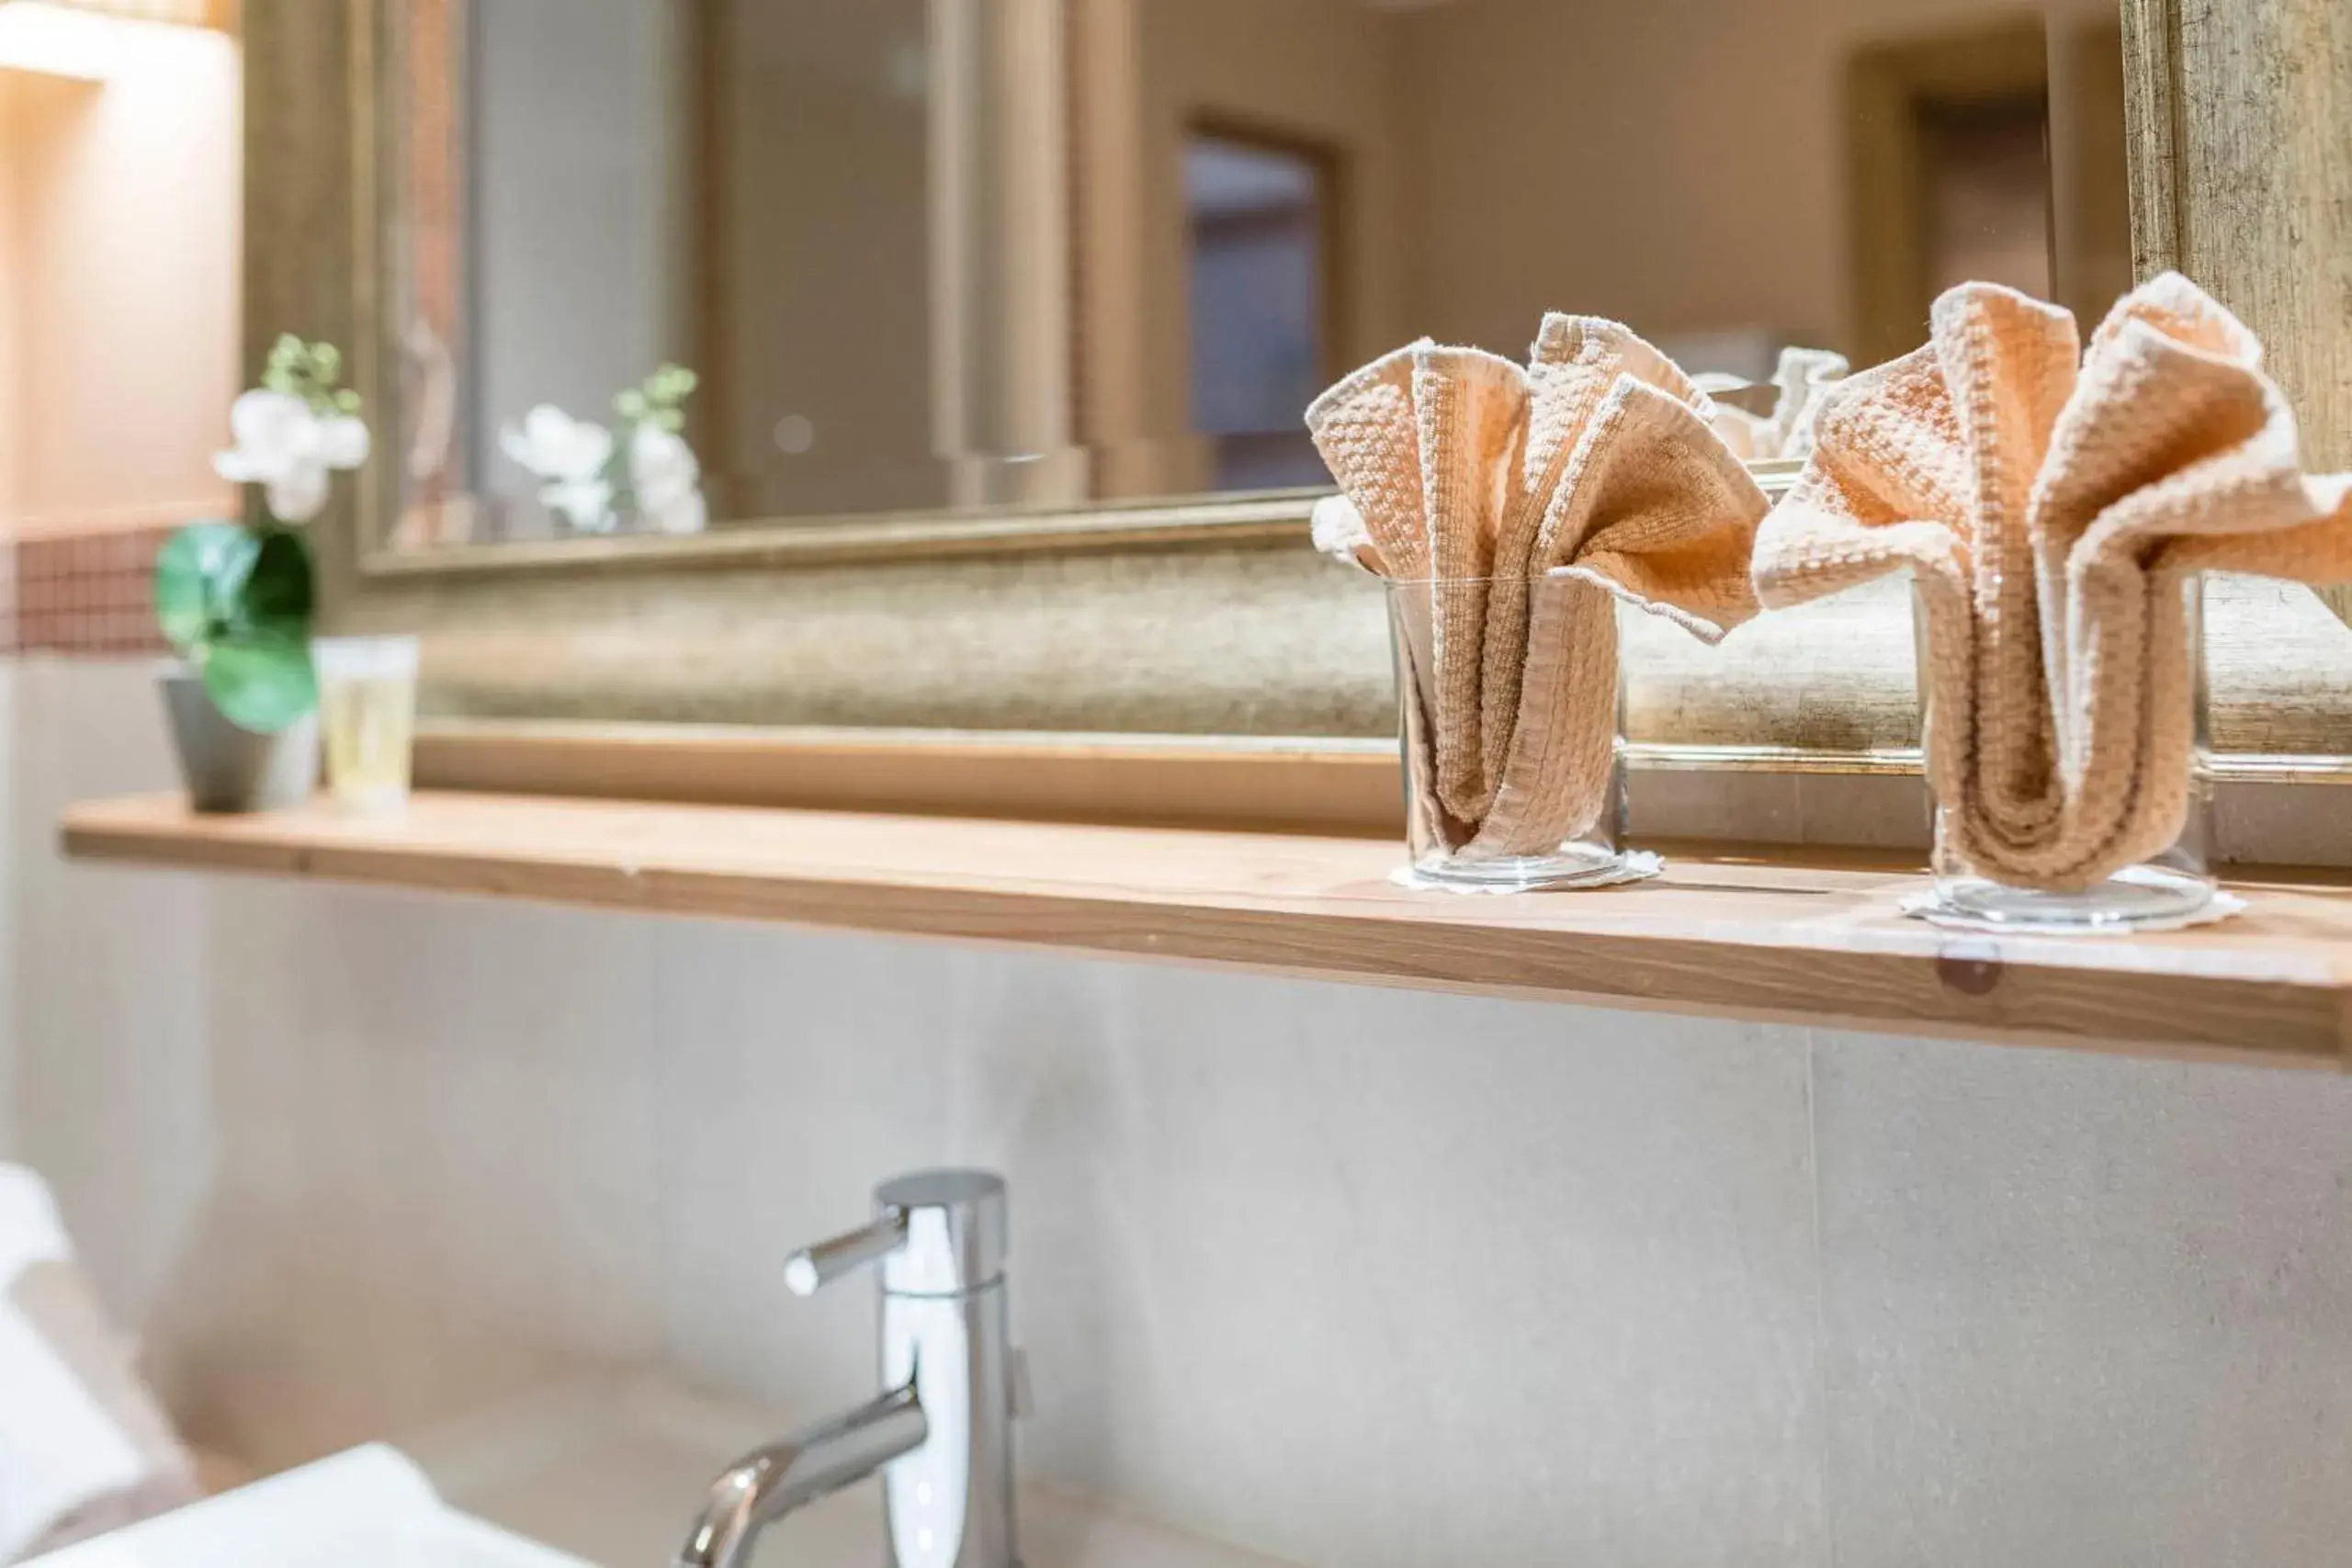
[[941, 1433]]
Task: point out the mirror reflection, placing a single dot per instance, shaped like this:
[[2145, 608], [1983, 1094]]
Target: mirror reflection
[[668, 265]]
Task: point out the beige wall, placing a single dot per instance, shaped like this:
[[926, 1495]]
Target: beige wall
[[11, 273], [1680, 164], [824, 263], [119, 256]]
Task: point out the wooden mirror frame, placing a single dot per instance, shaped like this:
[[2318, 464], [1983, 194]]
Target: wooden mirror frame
[[1208, 619]]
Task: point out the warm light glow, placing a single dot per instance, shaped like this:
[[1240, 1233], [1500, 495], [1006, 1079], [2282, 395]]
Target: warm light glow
[[85, 39], [179, 12]]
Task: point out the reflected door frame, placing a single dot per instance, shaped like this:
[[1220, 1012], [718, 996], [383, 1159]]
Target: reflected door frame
[[2076, 68], [1331, 174], [1890, 88]]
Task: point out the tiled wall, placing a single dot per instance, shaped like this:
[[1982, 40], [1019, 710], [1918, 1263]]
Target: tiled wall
[[81, 592], [1350, 1277]]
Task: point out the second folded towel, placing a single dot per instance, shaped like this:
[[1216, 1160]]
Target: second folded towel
[[2052, 504]]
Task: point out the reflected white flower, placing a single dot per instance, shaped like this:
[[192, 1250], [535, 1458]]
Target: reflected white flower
[[667, 480], [569, 456], [687, 515], [587, 504], [289, 449], [557, 448]]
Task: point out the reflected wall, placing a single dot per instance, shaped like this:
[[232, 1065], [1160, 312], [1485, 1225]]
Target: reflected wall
[[962, 254]]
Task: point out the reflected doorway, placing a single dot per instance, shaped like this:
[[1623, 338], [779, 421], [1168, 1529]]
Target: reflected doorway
[[1261, 297]]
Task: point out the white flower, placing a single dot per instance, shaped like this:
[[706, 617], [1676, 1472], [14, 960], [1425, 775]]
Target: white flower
[[569, 457], [287, 448], [667, 480]]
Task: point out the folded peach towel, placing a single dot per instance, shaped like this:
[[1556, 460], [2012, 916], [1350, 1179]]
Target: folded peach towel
[[1526, 498], [2052, 513], [1803, 379]]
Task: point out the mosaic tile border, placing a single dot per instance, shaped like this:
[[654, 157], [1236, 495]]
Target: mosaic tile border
[[81, 593]]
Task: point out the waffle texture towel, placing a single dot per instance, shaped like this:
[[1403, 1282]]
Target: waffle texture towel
[[1526, 501], [2052, 504]]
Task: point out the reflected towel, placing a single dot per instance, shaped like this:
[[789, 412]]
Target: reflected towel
[[1802, 380]]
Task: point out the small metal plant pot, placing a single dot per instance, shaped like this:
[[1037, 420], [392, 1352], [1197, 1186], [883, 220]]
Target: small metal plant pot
[[228, 767]]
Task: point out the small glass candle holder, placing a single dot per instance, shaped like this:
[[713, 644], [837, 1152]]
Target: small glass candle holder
[[1555, 813], [368, 711], [2174, 887]]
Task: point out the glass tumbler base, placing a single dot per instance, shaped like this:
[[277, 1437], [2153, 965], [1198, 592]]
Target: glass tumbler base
[[2133, 899], [1570, 866]]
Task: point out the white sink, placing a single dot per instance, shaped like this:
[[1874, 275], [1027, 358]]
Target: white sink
[[614, 1468], [611, 1469], [368, 1508]]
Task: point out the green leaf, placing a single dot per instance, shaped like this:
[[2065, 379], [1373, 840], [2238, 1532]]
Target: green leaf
[[276, 594], [261, 680], [234, 600], [198, 573]]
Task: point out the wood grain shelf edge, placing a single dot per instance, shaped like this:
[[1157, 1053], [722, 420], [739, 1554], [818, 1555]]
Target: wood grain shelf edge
[[1764, 936]]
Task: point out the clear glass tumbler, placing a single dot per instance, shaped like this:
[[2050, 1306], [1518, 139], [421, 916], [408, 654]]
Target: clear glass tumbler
[[2167, 889], [1545, 810], [367, 710]]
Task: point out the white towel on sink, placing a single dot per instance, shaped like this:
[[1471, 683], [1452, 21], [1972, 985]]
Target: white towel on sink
[[82, 1446], [31, 1230]]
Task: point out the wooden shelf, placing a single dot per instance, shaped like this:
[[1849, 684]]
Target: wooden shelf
[[1776, 936]]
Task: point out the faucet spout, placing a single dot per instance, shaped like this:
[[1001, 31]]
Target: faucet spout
[[767, 1484]]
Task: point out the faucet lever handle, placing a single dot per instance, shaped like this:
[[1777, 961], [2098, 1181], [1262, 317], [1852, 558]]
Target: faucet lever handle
[[812, 1268]]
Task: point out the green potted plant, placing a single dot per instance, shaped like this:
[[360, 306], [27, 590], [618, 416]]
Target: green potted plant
[[234, 599]]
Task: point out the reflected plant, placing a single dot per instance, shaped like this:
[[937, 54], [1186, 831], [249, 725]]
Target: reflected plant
[[235, 599], [593, 477]]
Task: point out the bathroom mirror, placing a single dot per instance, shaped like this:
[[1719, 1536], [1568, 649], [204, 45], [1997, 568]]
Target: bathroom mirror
[[997, 381], [960, 258]]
